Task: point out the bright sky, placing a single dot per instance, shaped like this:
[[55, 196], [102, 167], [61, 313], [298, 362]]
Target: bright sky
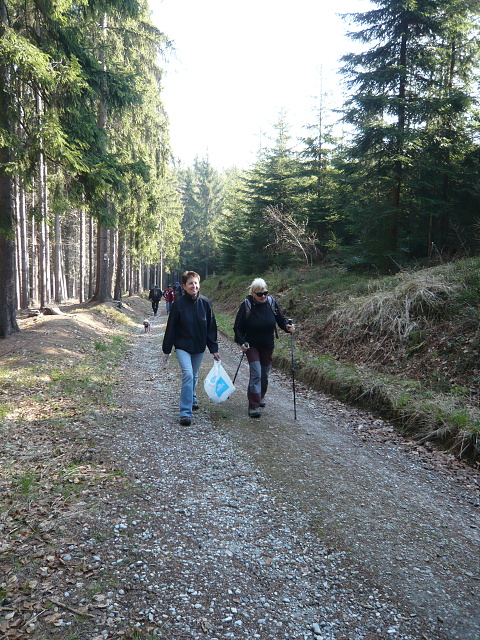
[[236, 65]]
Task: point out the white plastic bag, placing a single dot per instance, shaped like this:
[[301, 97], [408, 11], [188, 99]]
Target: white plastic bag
[[218, 384]]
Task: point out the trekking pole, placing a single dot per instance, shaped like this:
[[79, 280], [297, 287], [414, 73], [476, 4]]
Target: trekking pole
[[293, 373], [243, 353]]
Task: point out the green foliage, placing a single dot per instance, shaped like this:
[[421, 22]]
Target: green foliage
[[250, 239], [410, 103], [86, 98], [405, 186], [4, 410], [26, 483], [202, 192]]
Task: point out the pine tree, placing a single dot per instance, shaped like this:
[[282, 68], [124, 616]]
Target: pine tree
[[398, 91], [324, 217], [202, 199], [276, 181]]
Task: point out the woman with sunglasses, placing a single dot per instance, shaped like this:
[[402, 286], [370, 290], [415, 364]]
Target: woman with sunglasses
[[255, 324]]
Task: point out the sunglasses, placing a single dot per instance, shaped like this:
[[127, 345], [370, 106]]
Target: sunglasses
[[260, 294]]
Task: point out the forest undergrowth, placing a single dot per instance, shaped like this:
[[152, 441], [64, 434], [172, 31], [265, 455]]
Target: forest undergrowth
[[404, 346]]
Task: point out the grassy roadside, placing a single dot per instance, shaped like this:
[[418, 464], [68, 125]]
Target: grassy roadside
[[404, 347], [56, 381]]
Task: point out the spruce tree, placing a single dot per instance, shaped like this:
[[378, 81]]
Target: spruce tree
[[398, 87], [202, 199]]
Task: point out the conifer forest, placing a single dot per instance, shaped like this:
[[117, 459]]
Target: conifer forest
[[94, 204]]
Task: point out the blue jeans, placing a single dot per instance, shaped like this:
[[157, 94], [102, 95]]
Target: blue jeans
[[169, 306], [189, 364]]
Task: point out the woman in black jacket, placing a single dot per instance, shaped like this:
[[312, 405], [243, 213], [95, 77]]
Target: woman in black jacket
[[257, 318], [191, 327]]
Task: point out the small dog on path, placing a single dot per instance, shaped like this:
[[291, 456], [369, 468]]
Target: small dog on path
[[146, 324]]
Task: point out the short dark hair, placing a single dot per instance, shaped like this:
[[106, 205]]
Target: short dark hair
[[186, 275]]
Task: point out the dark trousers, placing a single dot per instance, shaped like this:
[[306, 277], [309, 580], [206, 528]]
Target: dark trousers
[[155, 306], [260, 362]]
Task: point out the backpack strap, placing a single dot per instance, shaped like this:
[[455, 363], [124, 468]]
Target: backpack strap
[[271, 302], [274, 308]]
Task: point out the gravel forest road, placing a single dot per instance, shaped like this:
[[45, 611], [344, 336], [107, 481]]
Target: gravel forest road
[[328, 527]]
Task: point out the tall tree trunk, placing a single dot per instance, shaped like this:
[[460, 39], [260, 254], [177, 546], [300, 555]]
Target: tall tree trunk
[[34, 260], [91, 253], [18, 264], [81, 268], [22, 225], [127, 270], [44, 244], [138, 279], [8, 321], [57, 260], [18, 267], [131, 272], [46, 290], [120, 266], [70, 258], [21, 217], [113, 241], [102, 292], [43, 278]]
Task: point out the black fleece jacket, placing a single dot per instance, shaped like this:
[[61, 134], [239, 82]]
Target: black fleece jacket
[[191, 326], [259, 327]]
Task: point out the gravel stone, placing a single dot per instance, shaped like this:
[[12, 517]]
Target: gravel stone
[[276, 530]]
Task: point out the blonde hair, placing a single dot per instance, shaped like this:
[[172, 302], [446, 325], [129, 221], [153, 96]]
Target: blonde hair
[[258, 284]]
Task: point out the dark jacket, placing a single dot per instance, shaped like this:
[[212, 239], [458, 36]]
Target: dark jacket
[[191, 326], [155, 294], [178, 291], [258, 328]]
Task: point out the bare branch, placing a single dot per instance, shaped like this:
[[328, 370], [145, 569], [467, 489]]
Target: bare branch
[[291, 233]]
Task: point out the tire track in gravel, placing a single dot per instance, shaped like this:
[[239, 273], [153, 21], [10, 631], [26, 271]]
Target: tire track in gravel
[[276, 528], [412, 531]]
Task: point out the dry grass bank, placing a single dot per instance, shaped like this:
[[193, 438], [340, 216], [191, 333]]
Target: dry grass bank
[[405, 346]]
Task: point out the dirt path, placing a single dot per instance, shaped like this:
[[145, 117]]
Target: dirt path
[[326, 527]]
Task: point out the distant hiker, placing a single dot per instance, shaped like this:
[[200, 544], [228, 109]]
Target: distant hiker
[[178, 289], [155, 296], [191, 327], [169, 296], [254, 328]]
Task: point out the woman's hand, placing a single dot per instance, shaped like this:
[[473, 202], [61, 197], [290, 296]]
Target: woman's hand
[[216, 356], [245, 347], [166, 356], [290, 328]]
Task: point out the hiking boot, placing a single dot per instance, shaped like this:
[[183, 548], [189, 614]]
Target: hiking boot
[[262, 402], [254, 413], [185, 421], [195, 406]]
